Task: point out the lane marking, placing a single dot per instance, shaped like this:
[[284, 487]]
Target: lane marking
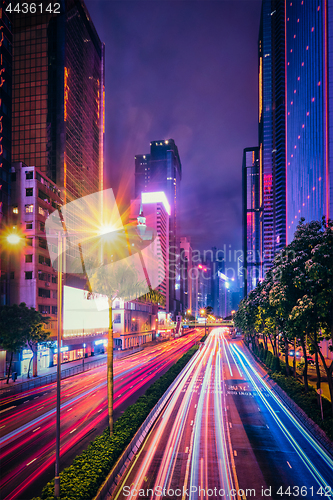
[[70, 409], [6, 409], [73, 430], [32, 461], [36, 429], [289, 464], [100, 410]]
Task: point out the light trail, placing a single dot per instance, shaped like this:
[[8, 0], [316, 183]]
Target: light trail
[[307, 462]]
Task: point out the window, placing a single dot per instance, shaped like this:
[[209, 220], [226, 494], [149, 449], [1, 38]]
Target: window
[[117, 318], [28, 257], [44, 260], [54, 294], [54, 310], [29, 174], [42, 276], [42, 292], [12, 275], [42, 226], [54, 279], [13, 176], [42, 242], [28, 242], [41, 211], [28, 275], [44, 309], [15, 210], [29, 225], [29, 191], [43, 196], [29, 209]]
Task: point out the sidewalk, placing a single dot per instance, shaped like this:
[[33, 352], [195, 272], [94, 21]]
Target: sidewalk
[[48, 375]]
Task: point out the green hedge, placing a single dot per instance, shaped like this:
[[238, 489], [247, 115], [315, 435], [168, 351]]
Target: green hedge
[[307, 401], [82, 479], [295, 389]]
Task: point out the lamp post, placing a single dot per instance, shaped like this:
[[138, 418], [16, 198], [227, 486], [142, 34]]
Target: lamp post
[[59, 337]]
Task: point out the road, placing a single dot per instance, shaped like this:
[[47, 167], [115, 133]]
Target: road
[[27, 439], [226, 434]]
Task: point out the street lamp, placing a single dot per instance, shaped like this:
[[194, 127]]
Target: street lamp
[[202, 312]]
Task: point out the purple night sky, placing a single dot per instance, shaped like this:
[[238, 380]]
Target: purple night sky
[[185, 70]]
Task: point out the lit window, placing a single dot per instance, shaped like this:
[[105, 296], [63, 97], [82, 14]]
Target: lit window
[[15, 210], [41, 211], [29, 209], [302, 63]]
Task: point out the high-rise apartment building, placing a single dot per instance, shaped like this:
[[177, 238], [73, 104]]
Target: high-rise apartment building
[[186, 274], [309, 111], [32, 279], [58, 97], [160, 171], [252, 219], [272, 127]]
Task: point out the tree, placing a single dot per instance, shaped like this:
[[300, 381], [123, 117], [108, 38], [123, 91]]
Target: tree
[[14, 325], [36, 334], [118, 280], [320, 271]]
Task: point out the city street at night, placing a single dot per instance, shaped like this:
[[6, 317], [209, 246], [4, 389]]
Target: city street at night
[[28, 430], [226, 434]]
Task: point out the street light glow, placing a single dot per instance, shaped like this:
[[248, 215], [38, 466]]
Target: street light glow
[[13, 239]]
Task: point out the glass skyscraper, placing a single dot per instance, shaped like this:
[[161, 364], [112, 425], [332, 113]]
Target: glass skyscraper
[[272, 127], [58, 97], [252, 219], [6, 52], [309, 106]]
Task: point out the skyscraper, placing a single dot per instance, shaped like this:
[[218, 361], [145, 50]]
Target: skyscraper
[[58, 97], [5, 134], [272, 127], [309, 108], [161, 171], [252, 219]]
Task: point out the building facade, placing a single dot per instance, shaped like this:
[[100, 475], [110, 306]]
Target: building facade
[[6, 53], [161, 171], [58, 97], [309, 108], [252, 220], [155, 209], [32, 278], [272, 189]]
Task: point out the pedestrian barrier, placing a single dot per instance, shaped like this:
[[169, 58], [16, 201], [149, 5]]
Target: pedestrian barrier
[[52, 377]]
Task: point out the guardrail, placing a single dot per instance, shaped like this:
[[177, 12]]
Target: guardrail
[[118, 469], [52, 377]]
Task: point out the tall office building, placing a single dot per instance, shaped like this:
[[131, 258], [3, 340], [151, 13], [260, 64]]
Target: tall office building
[[5, 135], [252, 219], [155, 211], [186, 274], [272, 127], [160, 171], [58, 97], [309, 107]]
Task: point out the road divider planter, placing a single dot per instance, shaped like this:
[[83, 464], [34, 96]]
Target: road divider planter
[[89, 476]]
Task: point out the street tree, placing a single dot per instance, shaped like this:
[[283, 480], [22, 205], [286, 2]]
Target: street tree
[[14, 326]]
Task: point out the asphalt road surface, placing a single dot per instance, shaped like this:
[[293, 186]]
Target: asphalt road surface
[[27, 428], [225, 434]]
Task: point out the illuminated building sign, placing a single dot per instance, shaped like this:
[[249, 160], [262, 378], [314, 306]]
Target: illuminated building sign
[[62, 349], [157, 197]]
